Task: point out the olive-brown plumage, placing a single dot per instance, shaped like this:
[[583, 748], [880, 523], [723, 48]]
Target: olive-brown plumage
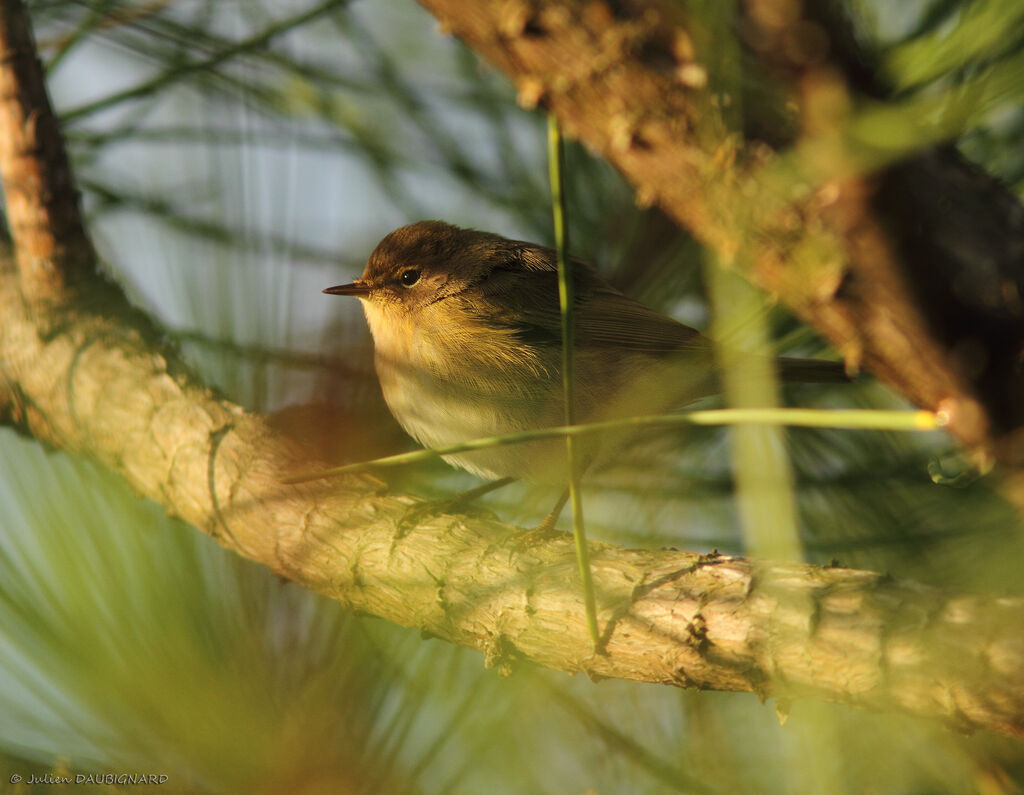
[[467, 341]]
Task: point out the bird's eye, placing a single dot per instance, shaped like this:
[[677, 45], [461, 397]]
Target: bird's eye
[[409, 277]]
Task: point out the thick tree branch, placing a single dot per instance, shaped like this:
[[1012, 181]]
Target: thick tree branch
[[632, 79], [99, 388]]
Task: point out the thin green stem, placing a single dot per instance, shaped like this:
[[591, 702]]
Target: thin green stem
[[556, 163], [87, 26], [858, 419]]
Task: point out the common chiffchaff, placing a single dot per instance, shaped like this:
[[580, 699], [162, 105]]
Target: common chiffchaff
[[467, 338]]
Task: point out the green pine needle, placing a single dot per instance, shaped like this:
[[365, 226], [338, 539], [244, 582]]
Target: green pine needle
[[851, 419], [556, 161]]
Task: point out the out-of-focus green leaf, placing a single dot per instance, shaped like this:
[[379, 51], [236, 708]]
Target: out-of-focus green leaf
[[981, 30]]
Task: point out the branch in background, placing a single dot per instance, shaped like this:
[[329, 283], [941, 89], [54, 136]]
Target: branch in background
[[633, 81], [53, 250]]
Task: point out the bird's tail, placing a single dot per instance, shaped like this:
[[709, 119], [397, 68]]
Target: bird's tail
[[812, 371]]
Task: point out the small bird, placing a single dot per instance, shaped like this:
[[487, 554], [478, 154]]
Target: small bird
[[467, 344]]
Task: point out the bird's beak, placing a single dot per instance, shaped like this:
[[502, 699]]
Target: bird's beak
[[357, 288]]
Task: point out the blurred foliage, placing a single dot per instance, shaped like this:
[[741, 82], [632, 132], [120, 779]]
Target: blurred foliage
[[235, 158]]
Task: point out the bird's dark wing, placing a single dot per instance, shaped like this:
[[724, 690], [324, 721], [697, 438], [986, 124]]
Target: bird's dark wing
[[526, 290], [605, 317]]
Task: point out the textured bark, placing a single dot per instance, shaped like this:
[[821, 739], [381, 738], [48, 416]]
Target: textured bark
[[628, 79], [99, 387], [42, 211]]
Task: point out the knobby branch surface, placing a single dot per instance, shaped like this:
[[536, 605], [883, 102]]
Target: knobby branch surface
[[628, 79], [53, 250], [100, 388]]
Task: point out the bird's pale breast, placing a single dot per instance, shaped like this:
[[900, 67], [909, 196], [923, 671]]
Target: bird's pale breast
[[448, 383]]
